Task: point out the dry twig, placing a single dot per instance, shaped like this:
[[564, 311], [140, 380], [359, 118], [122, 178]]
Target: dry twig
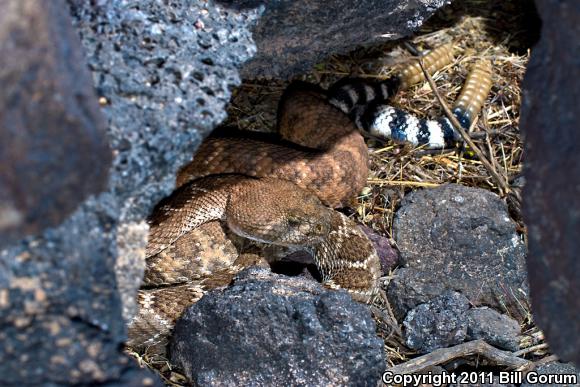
[[533, 348], [444, 355]]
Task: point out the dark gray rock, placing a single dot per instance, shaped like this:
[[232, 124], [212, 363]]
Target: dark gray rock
[[458, 238], [439, 323], [268, 329], [555, 370], [164, 79], [551, 202], [52, 136], [495, 328], [293, 35], [448, 320]]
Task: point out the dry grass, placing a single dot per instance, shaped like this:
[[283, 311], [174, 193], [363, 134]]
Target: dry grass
[[495, 30], [162, 366]]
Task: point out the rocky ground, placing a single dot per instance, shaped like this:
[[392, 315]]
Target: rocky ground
[[452, 240]]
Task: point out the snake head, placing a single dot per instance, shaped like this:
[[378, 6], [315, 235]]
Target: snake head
[[278, 212], [303, 228]]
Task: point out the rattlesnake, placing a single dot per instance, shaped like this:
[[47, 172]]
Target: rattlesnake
[[279, 190]]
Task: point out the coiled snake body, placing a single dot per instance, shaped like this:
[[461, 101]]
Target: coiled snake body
[[279, 191]]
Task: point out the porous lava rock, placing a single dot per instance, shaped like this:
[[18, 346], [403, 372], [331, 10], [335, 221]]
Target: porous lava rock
[[448, 319], [439, 323], [268, 329], [462, 239], [162, 72]]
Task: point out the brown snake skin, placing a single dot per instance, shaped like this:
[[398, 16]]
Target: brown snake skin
[[332, 162], [194, 259], [274, 191], [328, 158]]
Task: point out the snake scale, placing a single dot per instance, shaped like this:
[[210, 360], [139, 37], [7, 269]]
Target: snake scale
[[282, 190]]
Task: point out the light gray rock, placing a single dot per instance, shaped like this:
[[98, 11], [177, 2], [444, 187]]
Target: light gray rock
[[130, 264]]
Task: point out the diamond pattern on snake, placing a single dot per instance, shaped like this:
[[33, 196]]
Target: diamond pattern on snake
[[284, 190]]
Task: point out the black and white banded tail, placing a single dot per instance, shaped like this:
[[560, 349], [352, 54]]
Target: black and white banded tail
[[353, 94], [366, 104]]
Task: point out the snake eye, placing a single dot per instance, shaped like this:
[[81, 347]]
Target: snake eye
[[318, 228], [293, 222]]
